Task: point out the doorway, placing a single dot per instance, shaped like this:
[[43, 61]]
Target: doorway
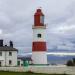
[[0, 63]]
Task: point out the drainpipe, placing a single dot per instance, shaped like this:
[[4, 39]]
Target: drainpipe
[[5, 58]]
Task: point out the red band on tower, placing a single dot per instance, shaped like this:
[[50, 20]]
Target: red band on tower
[[39, 46]]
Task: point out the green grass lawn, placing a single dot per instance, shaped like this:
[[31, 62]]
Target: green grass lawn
[[25, 73]]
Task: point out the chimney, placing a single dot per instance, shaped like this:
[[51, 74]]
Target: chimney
[[1, 43], [11, 44]]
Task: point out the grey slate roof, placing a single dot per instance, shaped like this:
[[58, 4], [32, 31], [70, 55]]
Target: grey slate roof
[[25, 58], [7, 48]]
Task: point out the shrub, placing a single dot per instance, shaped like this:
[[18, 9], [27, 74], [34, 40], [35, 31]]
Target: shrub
[[74, 60], [70, 63]]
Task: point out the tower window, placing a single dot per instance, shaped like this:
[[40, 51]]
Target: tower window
[[42, 19], [39, 35]]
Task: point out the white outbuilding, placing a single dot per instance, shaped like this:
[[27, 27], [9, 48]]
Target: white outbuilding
[[8, 55]]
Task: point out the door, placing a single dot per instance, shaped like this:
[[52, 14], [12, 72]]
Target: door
[[18, 63], [0, 63]]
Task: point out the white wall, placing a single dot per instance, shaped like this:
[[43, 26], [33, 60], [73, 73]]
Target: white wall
[[3, 57], [37, 31], [6, 58], [54, 69], [39, 57], [13, 58], [21, 62], [42, 69]]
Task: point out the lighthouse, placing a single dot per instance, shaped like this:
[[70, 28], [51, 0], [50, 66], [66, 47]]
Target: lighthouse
[[39, 47]]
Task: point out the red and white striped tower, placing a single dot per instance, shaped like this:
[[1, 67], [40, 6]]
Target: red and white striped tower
[[39, 42]]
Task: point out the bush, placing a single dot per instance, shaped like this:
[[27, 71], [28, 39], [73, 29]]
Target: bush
[[70, 63], [74, 60]]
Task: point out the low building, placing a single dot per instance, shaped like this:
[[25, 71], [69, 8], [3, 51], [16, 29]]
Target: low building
[[24, 61], [8, 55]]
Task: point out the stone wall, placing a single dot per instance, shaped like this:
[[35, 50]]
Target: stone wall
[[42, 69]]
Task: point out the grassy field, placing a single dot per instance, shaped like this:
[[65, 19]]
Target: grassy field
[[25, 73]]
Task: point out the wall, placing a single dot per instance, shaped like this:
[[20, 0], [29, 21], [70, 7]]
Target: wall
[[13, 58], [38, 31], [21, 62], [54, 69], [5, 56], [42, 55], [42, 69]]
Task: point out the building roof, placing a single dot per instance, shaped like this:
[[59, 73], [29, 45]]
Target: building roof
[[25, 58], [7, 48], [39, 12]]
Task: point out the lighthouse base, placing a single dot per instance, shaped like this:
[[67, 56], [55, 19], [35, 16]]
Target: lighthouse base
[[39, 57]]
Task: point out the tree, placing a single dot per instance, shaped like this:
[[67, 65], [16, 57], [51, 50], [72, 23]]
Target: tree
[[70, 63], [74, 60]]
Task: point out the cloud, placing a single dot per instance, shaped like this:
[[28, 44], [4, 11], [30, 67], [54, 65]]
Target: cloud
[[16, 20]]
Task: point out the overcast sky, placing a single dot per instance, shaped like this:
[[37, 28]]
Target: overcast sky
[[16, 20]]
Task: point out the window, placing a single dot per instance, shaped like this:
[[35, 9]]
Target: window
[[10, 62], [42, 19], [0, 63], [18, 63], [39, 35], [10, 53], [0, 53]]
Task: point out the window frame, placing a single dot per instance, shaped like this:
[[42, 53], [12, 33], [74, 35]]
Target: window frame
[[39, 35], [10, 53], [10, 62], [0, 53]]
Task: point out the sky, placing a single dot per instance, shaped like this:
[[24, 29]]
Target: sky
[[17, 18]]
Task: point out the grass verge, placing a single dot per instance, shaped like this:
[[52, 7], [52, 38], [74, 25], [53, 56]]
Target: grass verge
[[24, 73]]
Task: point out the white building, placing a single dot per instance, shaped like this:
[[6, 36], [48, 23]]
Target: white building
[[8, 55]]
